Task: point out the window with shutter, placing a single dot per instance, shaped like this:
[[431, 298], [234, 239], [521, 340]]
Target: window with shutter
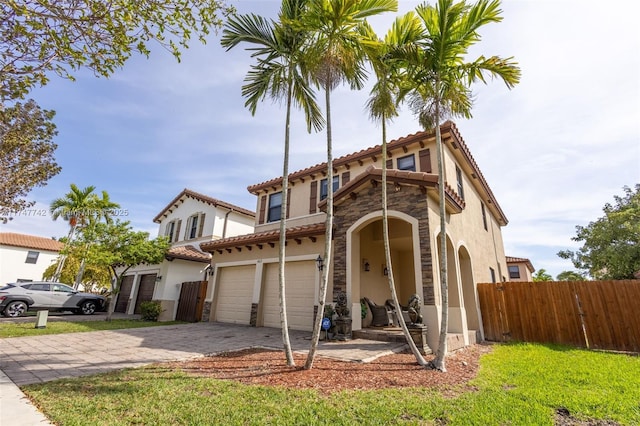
[[425, 160], [459, 180], [263, 207], [484, 217], [389, 164], [288, 203], [323, 187], [201, 225], [407, 163], [275, 207], [177, 233], [346, 176], [313, 198]]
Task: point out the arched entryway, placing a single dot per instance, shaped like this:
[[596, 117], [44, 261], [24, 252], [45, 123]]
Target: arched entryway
[[469, 294], [367, 271]]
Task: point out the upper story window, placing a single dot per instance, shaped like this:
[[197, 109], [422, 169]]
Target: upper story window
[[195, 224], [492, 272], [484, 217], [173, 230], [459, 180], [275, 207], [323, 187], [32, 257], [514, 271], [407, 163]]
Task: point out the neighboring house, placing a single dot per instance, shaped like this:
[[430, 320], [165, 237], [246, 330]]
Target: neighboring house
[[188, 220], [520, 269], [26, 257], [245, 282]]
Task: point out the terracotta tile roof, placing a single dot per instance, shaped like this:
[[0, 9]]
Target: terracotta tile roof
[[204, 198], [449, 132], [187, 252], [454, 202], [266, 237], [30, 241], [527, 262]]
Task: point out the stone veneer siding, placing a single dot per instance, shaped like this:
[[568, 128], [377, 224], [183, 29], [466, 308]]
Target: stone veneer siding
[[206, 311], [410, 200], [253, 319]]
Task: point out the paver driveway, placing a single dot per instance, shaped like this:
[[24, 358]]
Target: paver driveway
[[34, 359]]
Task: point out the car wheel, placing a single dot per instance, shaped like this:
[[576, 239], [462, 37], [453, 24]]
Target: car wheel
[[15, 309], [88, 308]]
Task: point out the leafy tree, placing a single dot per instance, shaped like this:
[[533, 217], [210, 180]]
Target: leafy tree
[[382, 107], [81, 208], [335, 56], [611, 244], [438, 85], [542, 275], [39, 37], [26, 154], [570, 276], [95, 277], [116, 246], [279, 74]]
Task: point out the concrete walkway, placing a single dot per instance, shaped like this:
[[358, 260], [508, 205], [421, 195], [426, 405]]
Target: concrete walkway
[[27, 360]]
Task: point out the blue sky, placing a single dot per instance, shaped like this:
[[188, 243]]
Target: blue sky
[[554, 149]]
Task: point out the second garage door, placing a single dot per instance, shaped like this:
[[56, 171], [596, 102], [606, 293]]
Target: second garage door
[[300, 292], [235, 291]]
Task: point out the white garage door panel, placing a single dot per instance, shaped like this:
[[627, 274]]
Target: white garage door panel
[[235, 293], [300, 293]]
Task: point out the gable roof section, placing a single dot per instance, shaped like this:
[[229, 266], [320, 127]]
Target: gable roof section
[[187, 193], [527, 262], [450, 135], [455, 204], [187, 252], [267, 237], [30, 241]]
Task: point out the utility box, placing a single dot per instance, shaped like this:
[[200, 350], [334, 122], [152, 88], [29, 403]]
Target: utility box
[[41, 319]]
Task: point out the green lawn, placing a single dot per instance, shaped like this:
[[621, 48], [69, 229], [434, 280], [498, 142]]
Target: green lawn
[[518, 384], [56, 327]]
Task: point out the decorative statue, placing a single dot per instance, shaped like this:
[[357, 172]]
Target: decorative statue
[[414, 309], [341, 305]]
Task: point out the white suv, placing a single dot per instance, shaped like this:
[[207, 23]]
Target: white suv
[[17, 298]]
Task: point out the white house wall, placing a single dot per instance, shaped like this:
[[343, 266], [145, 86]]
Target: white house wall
[[13, 266]]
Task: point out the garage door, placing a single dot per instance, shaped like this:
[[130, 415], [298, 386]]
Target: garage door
[[235, 293], [300, 292]]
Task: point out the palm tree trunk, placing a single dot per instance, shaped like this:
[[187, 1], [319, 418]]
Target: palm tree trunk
[[80, 274], [283, 238], [439, 362], [387, 252], [327, 240], [63, 258]]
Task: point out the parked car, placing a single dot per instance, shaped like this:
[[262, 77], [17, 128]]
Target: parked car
[[17, 298]]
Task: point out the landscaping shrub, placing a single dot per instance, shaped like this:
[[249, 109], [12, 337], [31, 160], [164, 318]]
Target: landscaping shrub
[[150, 310]]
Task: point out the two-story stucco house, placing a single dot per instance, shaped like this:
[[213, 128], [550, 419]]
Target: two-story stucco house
[[520, 269], [180, 280], [25, 257], [245, 282]]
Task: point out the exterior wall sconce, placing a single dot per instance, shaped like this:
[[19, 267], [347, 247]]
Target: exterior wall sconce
[[366, 266], [320, 263], [158, 278]]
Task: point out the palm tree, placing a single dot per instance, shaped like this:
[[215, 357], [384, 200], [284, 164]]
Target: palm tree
[[102, 208], [440, 77], [336, 56], [279, 73], [382, 107], [73, 208]]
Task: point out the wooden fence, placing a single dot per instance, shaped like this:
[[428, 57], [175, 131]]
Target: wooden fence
[[590, 314]]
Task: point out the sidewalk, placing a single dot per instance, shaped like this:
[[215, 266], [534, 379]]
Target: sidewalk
[[38, 359]]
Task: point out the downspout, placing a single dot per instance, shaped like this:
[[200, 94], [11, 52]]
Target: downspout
[[224, 227]]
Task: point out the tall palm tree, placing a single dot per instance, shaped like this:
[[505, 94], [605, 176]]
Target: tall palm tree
[[336, 56], [382, 107], [102, 208], [279, 73], [440, 77], [73, 208]]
